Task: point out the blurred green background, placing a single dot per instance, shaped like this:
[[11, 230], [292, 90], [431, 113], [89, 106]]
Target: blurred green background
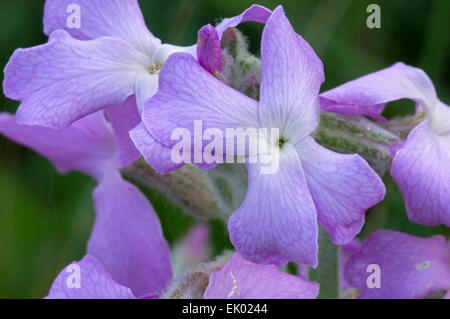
[[46, 218]]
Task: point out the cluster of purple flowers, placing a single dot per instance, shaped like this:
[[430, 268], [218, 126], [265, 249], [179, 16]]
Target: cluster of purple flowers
[[95, 98]]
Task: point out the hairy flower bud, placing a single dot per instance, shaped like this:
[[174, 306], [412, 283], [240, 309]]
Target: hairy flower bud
[[193, 282], [241, 70], [202, 194], [356, 134]]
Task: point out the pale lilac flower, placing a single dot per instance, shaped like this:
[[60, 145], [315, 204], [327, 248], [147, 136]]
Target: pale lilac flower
[[411, 267], [112, 58], [277, 221], [127, 238], [240, 279], [421, 166], [209, 55]]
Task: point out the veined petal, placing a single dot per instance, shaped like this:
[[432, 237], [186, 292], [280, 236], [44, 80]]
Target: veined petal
[[157, 155], [66, 79], [291, 78], [86, 146], [240, 279], [163, 52], [94, 282], [343, 187], [421, 169], [187, 93], [146, 87], [440, 120], [367, 95], [410, 267], [98, 18], [277, 221], [255, 13], [127, 238], [123, 118]]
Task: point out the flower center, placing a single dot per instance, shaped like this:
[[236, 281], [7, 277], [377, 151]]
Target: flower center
[[281, 141], [155, 68]]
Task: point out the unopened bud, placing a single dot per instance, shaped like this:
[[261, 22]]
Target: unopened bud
[[204, 194], [356, 134], [193, 282], [209, 51]]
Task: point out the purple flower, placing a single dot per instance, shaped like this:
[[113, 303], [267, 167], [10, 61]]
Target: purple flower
[[410, 267], [126, 240], [421, 165], [237, 279], [240, 279], [110, 59], [209, 55], [277, 221]]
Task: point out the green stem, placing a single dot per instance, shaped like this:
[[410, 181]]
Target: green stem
[[327, 272]]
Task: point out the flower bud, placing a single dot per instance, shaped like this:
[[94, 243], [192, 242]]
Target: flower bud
[[209, 51], [193, 282], [356, 134]]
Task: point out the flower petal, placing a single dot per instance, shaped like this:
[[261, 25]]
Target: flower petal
[[187, 92], [277, 221], [86, 146], [94, 282], [157, 155], [209, 51], [123, 118], [345, 252], [146, 87], [291, 78], [98, 18], [127, 238], [240, 279], [66, 79], [421, 169], [343, 187], [255, 13], [367, 95], [411, 267]]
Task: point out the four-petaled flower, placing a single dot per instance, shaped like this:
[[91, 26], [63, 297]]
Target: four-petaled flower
[[111, 60], [277, 222]]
